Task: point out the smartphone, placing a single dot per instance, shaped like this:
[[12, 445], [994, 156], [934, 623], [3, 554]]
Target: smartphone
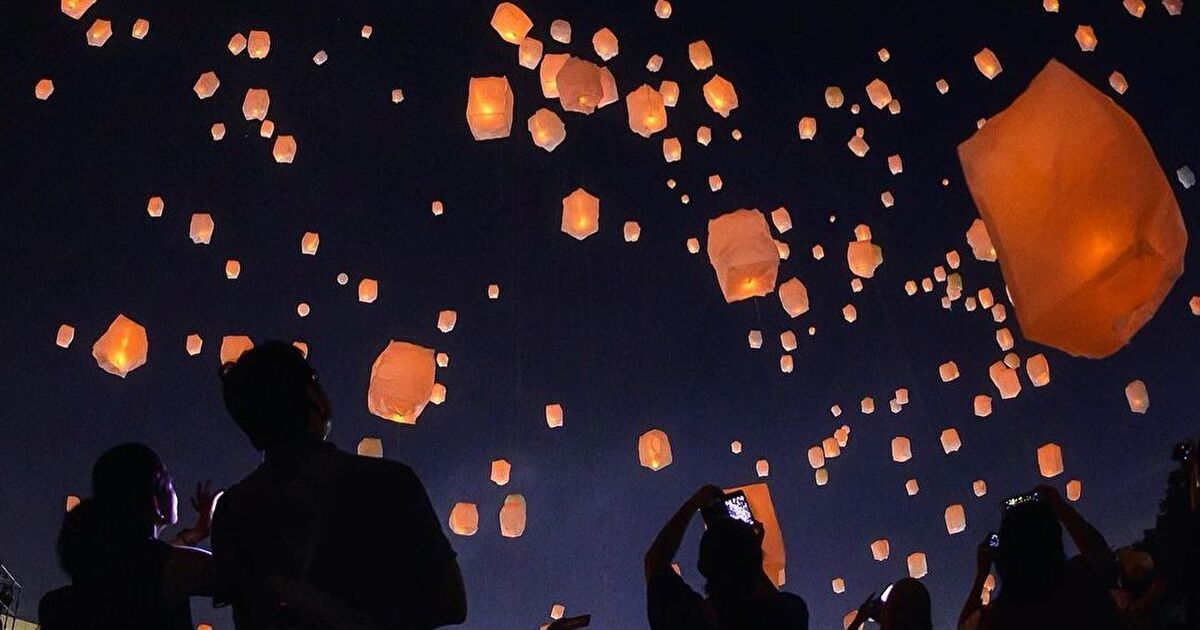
[[1021, 499], [993, 540], [732, 506], [569, 623]]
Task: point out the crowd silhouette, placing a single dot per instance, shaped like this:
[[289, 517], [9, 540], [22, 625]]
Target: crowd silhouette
[[302, 543]]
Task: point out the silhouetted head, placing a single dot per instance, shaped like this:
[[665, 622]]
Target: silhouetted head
[[731, 557], [907, 607], [1031, 549], [273, 395], [132, 484]]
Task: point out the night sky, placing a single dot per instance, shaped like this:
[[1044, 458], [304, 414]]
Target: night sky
[[626, 336]]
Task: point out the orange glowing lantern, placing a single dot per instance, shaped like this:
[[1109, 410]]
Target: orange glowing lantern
[[512, 516], [511, 23], [548, 73], [579, 84], [911, 487], [807, 128], [1086, 38], [284, 150], [917, 565], [632, 231], [237, 43], [464, 519], [864, 257], [670, 92], [256, 104], [950, 441], [154, 207], [75, 9], [446, 320], [233, 269], [489, 107], [560, 31], [720, 95], [529, 55], [232, 347], [309, 243], [948, 371], [368, 290], [1038, 370], [880, 550], [742, 254], [654, 450], [547, 129], [193, 344], [218, 132], [370, 447], [879, 94], [401, 382], [580, 214], [982, 405], [647, 113], [901, 449], [793, 295], [122, 348], [501, 470], [141, 28], [259, 44], [700, 55], [99, 33], [1137, 396], [554, 415], [672, 149], [1050, 460], [1074, 490], [65, 335], [43, 89], [200, 229], [988, 64], [605, 43]]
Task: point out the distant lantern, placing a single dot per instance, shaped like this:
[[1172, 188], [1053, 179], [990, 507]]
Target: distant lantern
[[366, 31], [670, 92], [834, 97], [193, 344], [632, 231], [43, 89], [233, 269], [493, 291], [155, 206], [735, 447], [988, 63], [1137, 396], [887, 199], [911, 487], [579, 86], [370, 447], [763, 468], [793, 295], [200, 229], [720, 95], [546, 129], [818, 252], [981, 242], [501, 470], [256, 104], [839, 585], [1117, 82], [700, 55], [816, 457], [65, 335], [880, 550], [309, 243], [320, 57], [1173, 7], [438, 396], [446, 320], [605, 43], [1050, 6], [956, 519], [259, 44], [237, 43], [464, 519], [979, 487], [807, 128], [548, 73], [715, 183], [948, 371], [266, 129], [743, 254], [442, 359], [849, 313], [342, 278], [284, 150], [402, 380], [560, 31], [654, 450], [672, 149], [489, 107], [786, 364], [1005, 379], [942, 86], [75, 9], [580, 214], [397, 96], [1038, 370], [554, 415], [529, 55], [982, 406], [1084, 286], [830, 447], [755, 339], [512, 516], [654, 63], [1074, 490], [662, 9], [821, 476], [232, 347], [950, 441], [917, 565], [218, 132], [99, 33], [782, 219], [863, 258], [895, 164], [511, 23], [858, 146], [368, 290], [1050, 460], [901, 449], [1086, 38], [879, 94], [647, 114], [703, 135], [72, 502]]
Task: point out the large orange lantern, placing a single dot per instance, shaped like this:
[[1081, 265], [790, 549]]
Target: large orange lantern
[[401, 382], [1086, 228], [489, 107], [546, 129], [232, 347], [647, 113], [122, 348], [512, 516], [654, 450], [743, 254], [720, 95], [579, 85], [511, 23], [580, 214], [464, 519], [758, 495]]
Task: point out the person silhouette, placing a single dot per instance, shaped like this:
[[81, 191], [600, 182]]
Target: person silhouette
[[905, 605], [316, 537], [739, 594], [122, 575]]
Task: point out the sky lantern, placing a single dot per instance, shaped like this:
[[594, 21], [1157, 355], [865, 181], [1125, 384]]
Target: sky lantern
[[258, 45], [880, 550], [218, 132], [807, 128], [1050, 6], [446, 320], [988, 63], [912, 487], [831, 448], [1086, 38], [662, 9], [493, 291], [672, 149], [512, 516], [849, 313], [501, 470], [201, 228], [366, 31], [864, 257], [1173, 7], [370, 447], [917, 565], [489, 107], [368, 290], [762, 468], [901, 449], [547, 129], [548, 73], [758, 495], [1038, 370], [720, 95], [1005, 379], [1137, 396], [401, 382], [1092, 240], [654, 63], [233, 269], [75, 9], [608, 88], [950, 440], [1117, 82], [956, 519], [256, 104], [154, 207], [43, 89], [464, 519], [879, 94], [703, 135], [1186, 177], [320, 57], [895, 164], [397, 96], [700, 55], [787, 340], [793, 295], [670, 92], [816, 457], [579, 84], [786, 364], [284, 150], [511, 23], [715, 183], [1074, 490], [979, 487], [605, 43], [632, 231], [981, 242], [237, 43], [755, 338], [530, 53], [267, 128], [64, 336], [554, 415], [232, 347], [309, 243], [834, 98], [580, 214], [948, 371], [560, 31], [942, 86], [858, 145], [982, 405], [647, 113], [1050, 460], [654, 450], [193, 344], [782, 219], [99, 33], [438, 396], [743, 254], [122, 348]]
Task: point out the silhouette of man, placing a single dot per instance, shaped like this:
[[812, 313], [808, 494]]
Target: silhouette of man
[[319, 538], [739, 593]]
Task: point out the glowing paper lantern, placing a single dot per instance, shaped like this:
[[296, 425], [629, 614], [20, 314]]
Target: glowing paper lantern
[[267, 129], [700, 55], [99, 33], [672, 149], [1117, 81], [895, 164], [839, 585], [256, 104], [979, 487], [368, 290], [218, 132], [763, 468], [1187, 178], [901, 449], [956, 519], [500, 472], [605, 44], [122, 348], [309, 243], [193, 344], [662, 9], [787, 339], [512, 516], [1137, 396], [237, 44], [1050, 460], [807, 128], [511, 23], [654, 63], [654, 450], [758, 495], [632, 231], [715, 183], [72, 502], [911, 487], [397, 96], [1074, 490], [864, 257], [43, 89], [703, 135], [1005, 379], [982, 406], [948, 371], [580, 214], [401, 382], [834, 97], [849, 313], [1086, 38], [154, 207], [608, 88], [446, 321], [554, 415], [464, 519], [879, 94], [560, 31], [950, 441], [942, 86], [579, 85], [232, 347], [821, 476], [493, 291], [233, 269], [1038, 370], [1092, 240], [880, 550], [755, 339], [743, 255], [816, 457], [858, 146], [1050, 6], [781, 219], [259, 44], [557, 611], [64, 336], [75, 9], [917, 566], [793, 295], [530, 53], [988, 63], [200, 229], [489, 107], [284, 150], [366, 31], [546, 129], [1173, 7], [720, 95], [370, 447], [647, 114], [670, 92]]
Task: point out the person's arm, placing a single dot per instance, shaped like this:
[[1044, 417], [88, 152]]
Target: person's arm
[[666, 544], [870, 609], [983, 566], [1087, 539], [442, 595]]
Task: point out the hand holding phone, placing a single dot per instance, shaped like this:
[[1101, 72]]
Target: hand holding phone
[[733, 506]]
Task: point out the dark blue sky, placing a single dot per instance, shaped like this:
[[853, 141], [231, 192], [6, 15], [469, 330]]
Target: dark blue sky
[[626, 337]]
